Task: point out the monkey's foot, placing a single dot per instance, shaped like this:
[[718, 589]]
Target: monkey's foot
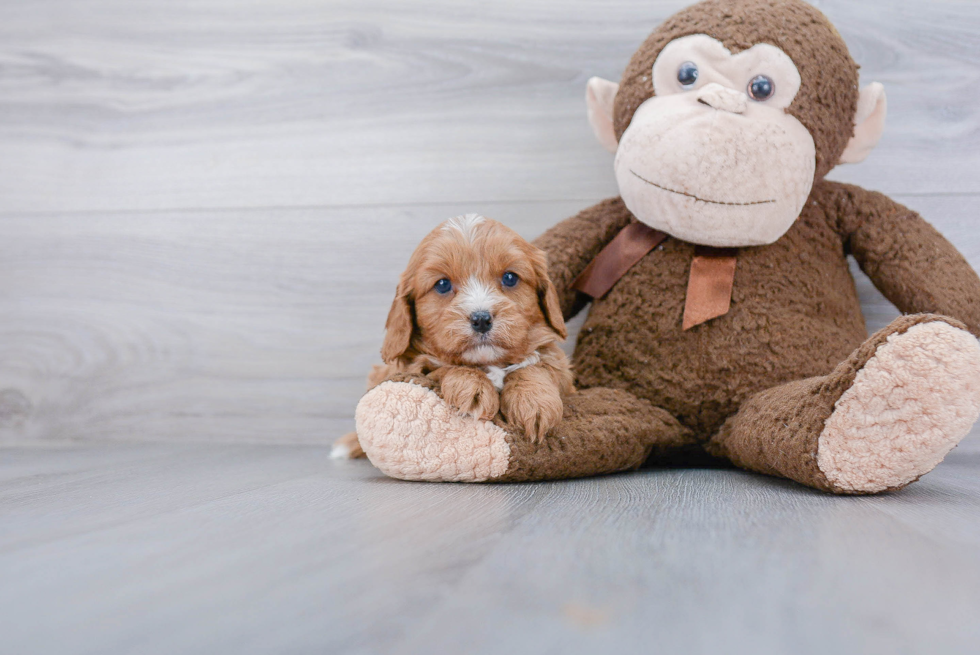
[[410, 433], [909, 405]]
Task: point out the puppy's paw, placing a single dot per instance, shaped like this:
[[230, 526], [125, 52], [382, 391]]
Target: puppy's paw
[[531, 405], [471, 392]]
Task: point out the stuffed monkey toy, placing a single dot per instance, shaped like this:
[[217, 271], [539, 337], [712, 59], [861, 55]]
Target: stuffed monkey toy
[[724, 319]]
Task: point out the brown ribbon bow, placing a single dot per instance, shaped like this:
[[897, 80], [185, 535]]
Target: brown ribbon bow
[[709, 287]]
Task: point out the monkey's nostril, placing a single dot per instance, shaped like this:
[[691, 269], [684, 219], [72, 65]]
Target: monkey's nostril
[[722, 98], [481, 321]]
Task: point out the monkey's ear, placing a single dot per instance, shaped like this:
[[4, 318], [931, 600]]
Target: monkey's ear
[[599, 97], [398, 327], [869, 123]]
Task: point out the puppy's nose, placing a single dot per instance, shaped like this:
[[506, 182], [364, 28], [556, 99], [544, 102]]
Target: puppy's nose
[[481, 321]]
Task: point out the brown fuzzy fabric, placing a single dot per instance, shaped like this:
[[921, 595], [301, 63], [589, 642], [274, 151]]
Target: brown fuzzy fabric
[[906, 257], [828, 97], [776, 431], [579, 240], [795, 313], [602, 431]]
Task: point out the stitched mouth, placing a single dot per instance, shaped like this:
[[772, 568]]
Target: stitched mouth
[[691, 195]]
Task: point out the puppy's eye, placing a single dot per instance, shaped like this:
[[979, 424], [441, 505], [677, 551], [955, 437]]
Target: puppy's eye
[[443, 286], [761, 88], [687, 74], [509, 279]]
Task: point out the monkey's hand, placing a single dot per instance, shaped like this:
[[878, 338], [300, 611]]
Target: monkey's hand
[[470, 391], [530, 401]]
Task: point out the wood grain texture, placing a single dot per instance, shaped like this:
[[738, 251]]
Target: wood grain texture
[[110, 105], [204, 207], [255, 549], [237, 325]]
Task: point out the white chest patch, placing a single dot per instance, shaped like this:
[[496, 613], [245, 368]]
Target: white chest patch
[[498, 374]]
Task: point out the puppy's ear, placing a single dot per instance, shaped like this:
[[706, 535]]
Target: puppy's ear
[[399, 326], [548, 295]]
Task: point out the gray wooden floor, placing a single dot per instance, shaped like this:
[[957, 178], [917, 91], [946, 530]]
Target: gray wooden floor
[[181, 548], [204, 207]]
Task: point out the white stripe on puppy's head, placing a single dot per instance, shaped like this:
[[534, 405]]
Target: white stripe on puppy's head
[[466, 225]]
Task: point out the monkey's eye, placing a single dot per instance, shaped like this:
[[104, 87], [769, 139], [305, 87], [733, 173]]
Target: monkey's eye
[[509, 279], [687, 74], [443, 286], [761, 88]]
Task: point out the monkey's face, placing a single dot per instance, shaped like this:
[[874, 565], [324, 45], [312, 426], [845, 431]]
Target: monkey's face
[[713, 157]]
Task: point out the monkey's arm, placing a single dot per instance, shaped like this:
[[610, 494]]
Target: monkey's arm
[[573, 243], [909, 261]]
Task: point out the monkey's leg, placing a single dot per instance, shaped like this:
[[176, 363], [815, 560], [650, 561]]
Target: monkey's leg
[[410, 433], [883, 418]]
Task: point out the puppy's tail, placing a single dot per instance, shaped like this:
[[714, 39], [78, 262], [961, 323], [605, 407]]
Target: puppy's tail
[[347, 447]]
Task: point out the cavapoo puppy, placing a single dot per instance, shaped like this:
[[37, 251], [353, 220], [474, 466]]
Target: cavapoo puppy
[[476, 311]]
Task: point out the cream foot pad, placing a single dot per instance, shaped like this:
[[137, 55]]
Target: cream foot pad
[[908, 407], [410, 433]]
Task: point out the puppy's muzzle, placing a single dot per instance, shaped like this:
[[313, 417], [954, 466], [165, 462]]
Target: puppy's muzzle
[[481, 322]]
